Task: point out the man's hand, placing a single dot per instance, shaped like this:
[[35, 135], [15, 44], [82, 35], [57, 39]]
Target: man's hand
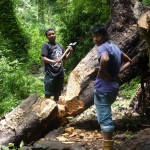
[[58, 60], [69, 48], [104, 75]]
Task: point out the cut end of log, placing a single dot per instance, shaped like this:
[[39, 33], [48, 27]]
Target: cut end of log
[[71, 108], [144, 20], [43, 107]]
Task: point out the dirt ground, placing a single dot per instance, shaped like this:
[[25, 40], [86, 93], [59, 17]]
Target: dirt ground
[[83, 133]]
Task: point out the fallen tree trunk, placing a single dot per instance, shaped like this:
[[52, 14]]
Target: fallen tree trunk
[[124, 32], [36, 116], [32, 119], [28, 121]]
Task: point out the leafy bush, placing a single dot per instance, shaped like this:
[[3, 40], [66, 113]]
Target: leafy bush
[[146, 2], [16, 84], [128, 90]]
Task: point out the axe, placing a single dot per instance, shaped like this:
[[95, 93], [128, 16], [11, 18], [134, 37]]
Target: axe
[[71, 44]]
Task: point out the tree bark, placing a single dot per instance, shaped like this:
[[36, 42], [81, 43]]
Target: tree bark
[[29, 121], [141, 102]]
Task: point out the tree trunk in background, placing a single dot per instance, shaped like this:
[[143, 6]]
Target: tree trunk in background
[[36, 116], [125, 32]]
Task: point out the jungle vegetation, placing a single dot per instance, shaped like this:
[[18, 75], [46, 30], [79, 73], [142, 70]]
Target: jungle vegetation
[[22, 27]]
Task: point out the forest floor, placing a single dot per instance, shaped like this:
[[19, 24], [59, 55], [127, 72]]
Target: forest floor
[[83, 132]]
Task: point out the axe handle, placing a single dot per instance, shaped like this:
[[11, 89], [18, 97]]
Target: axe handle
[[67, 50]]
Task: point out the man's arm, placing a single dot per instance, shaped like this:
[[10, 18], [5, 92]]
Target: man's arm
[[48, 61], [126, 62], [44, 54], [102, 73]]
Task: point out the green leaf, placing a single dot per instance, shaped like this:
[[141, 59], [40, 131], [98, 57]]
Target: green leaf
[[21, 144], [4, 147], [11, 145]]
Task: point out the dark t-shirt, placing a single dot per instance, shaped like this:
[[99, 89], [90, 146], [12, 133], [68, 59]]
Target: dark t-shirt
[[53, 52]]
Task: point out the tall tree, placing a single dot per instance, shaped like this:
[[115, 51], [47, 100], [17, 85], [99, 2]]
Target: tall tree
[[11, 31]]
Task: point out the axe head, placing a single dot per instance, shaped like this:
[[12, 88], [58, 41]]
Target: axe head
[[73, 44]]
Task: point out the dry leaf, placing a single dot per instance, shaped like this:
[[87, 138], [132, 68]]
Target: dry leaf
[[61, 138], [69, 130], [73, 134], [82, 135]]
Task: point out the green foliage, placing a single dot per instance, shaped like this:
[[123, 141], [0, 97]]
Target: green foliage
[[146, 2], [128, 134], [77, 18], [11, 146], [11, 31], [16, 84], [128, 90], [4, 147], [28, 13], [36, 42], [16, 80]]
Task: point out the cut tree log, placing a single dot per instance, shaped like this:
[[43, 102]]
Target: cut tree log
[[29, 121], [36, 116], [144, 20], [32, 119], [80, 82]]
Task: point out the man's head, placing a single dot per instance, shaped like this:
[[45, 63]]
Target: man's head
[[50, 34], [99, 34]]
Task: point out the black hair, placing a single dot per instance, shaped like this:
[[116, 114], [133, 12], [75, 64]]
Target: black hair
[[50, 29], [99, 29]]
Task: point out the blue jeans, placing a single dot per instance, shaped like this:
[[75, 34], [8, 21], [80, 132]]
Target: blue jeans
[[103, 102]]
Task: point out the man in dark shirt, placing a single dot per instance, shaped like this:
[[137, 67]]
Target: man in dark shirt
[[54, 77]]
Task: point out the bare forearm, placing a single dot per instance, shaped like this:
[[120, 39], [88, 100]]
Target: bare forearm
[[124, 67], [126, 62], [47, 60], [102, 73]]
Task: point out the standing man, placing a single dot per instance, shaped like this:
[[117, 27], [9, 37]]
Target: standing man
[[54, 77], [112, 61]]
